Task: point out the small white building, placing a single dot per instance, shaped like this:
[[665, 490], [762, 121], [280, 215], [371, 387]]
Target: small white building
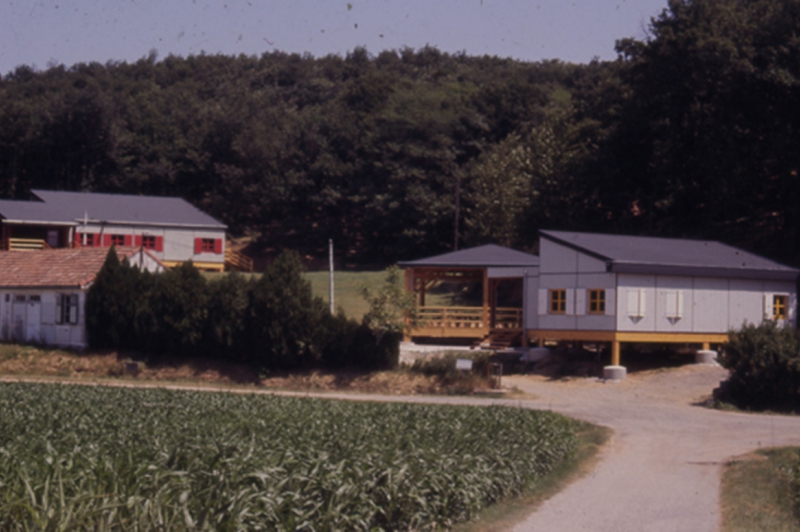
[[43, 293], [171, 229]]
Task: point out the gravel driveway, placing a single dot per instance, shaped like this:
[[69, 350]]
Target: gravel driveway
[[661, 470]]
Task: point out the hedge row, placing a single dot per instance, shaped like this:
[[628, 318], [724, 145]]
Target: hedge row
[[272, 322], [764, 364]]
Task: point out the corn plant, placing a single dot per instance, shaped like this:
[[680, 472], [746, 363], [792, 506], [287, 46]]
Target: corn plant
[[75, 457]]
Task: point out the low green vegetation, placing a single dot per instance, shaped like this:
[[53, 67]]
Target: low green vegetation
[[761, 492], [764, 364], [74, 457]]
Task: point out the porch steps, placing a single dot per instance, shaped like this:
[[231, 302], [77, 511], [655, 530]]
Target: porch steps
[[236, 261], [499, 339]]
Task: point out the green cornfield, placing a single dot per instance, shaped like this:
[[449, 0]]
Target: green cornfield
[[97, 458]]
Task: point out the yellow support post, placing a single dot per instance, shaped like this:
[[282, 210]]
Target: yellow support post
[[615, 353]]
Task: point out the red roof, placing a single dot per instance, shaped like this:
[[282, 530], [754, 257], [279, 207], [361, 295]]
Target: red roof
[[66, 267]]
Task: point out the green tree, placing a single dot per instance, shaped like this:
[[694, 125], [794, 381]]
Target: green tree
[[282, 317], [392, 310], [705, 143], [177, 311]]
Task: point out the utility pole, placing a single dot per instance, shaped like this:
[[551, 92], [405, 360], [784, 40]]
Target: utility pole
[[330, 266], [458, 208]]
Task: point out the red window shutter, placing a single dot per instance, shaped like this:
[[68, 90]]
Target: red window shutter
[[107, 240], [159, 243], [128, 240], [97, 240], [198, 246], [218, 246], [138, 241]]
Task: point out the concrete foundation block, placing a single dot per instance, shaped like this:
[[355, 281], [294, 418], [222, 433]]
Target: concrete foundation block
[[705, 356], [614, 373]]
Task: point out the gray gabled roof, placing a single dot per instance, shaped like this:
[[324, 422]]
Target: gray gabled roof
[[32, 211], [672, 256], [490, 255], [113, 208]]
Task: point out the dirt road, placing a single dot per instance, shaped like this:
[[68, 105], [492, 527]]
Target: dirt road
[[662, 468]]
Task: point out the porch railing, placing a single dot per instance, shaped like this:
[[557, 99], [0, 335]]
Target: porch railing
[[451, 317], [508, 318], [24, 244], [237, 261], [468, 317]]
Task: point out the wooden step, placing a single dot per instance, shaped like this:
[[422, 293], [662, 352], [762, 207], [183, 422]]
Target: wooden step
[[499, 339]]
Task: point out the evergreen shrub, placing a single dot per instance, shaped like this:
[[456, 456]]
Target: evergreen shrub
[[764, 364], [273, 323]]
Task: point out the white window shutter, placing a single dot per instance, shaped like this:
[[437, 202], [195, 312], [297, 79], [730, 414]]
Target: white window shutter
[[672, 303], [633, 302], [792, 305], [570, 302], [679, 304], [642, 303], [580, 301], [610, 301], [543, 302], [767, 306]]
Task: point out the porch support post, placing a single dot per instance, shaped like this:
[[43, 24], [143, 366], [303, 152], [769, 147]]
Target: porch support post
[[409, 282], [706, 346], [615, 353]]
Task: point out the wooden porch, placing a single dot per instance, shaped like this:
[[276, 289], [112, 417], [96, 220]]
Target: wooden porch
[[474, 294], [475, 323]]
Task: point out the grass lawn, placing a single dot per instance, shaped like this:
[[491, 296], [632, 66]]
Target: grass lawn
[[346, 289], [757, 492]]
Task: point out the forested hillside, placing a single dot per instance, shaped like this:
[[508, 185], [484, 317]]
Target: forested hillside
[[694, 132]]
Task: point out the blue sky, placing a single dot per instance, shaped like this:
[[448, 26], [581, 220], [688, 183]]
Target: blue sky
[[41, 33]]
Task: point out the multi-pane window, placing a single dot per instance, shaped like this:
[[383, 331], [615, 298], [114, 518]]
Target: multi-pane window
[[67, 309], [779, 307], [148, 242], [89, 240], [597, 301], [207, 245], [558, 301], [117, 240]]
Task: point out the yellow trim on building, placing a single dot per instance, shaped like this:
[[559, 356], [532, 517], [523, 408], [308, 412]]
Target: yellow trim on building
[[627, 337], [212, 266]]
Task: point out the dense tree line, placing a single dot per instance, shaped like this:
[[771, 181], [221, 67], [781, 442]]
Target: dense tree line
[[691, 132], [271, 322]]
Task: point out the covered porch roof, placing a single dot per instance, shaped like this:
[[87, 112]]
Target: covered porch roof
[[486, 256], [490, 266]]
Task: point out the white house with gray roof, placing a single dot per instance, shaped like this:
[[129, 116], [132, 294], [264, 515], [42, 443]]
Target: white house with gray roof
[[610, 289], [173, 230], [614, 288]]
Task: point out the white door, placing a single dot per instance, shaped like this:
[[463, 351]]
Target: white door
[[33, 319], [18, 313]]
